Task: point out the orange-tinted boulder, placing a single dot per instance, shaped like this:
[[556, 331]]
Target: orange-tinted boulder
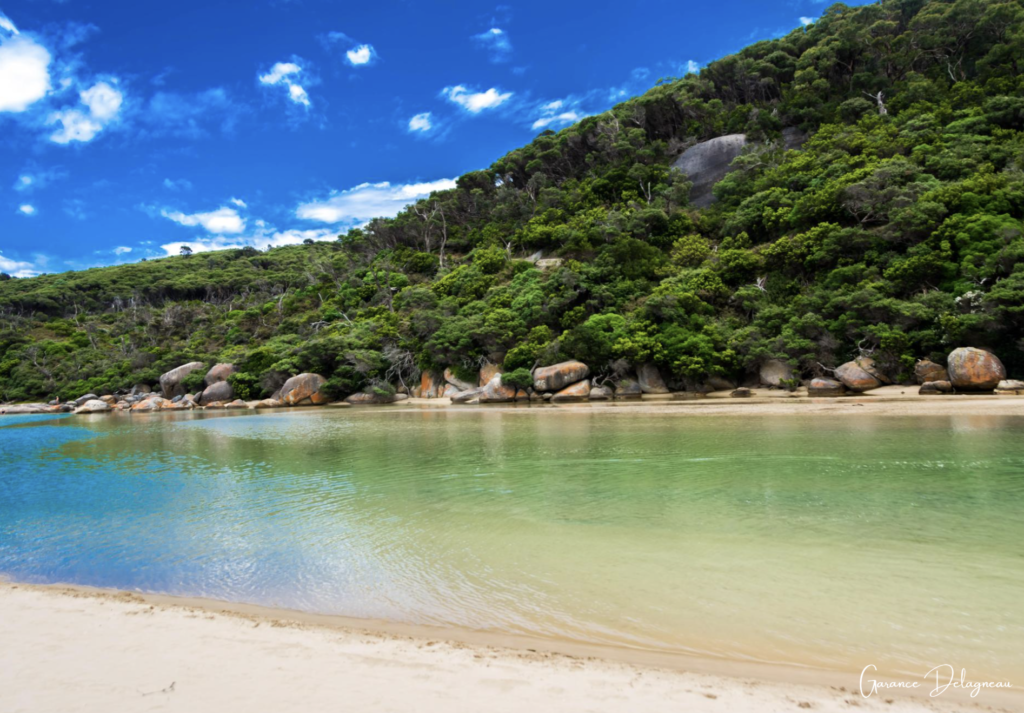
[[487, 372], [430, 387], [579, 391], [153, 403], [303, 390], [268, 403], [825, 387], [497, 393], [868, 365], [557, 376], [857, 378], [975, 369], [925, 371]]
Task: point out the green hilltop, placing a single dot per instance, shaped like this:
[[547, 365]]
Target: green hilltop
[[894, 230]]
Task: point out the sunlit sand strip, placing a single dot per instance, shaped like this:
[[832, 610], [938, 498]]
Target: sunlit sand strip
[[72, 648]]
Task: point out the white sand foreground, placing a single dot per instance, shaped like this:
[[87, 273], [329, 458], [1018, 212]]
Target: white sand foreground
[[69, 649]]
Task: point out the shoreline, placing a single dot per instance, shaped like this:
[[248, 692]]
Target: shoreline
[[885, 401], [61, 616]]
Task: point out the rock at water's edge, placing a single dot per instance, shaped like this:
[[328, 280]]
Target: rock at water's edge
[[825, 387], [557, 376], [303, 389], [974, 369], [576, 392], [926, 370]]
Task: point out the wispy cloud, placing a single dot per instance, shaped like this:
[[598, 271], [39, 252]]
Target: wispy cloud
[[102, 104], [18, 268], [239, 202], [33, 179], [220, 221], [475, 102], [263, 237], [497, 44], [7, 26], [27, 209], [181, 184], [556, 113], [421, 122], [288, 75], [358, 54], [367, 201], [189, 116]]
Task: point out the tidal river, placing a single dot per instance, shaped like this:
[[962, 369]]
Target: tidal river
[[835, 541]]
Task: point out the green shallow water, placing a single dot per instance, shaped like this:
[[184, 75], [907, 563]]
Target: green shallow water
[[833, 542]]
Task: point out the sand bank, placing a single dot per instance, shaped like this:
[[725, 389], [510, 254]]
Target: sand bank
[[886, 401], [67, 649]]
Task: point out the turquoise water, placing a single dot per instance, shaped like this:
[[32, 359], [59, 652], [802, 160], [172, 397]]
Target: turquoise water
[[833, 542]]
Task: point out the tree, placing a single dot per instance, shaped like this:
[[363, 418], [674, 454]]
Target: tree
[[186, 251]]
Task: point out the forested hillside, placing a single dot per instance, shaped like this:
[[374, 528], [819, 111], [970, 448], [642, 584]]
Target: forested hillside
[[895, 230]]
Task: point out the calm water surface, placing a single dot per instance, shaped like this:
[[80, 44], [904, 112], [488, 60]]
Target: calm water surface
[[834, 542]]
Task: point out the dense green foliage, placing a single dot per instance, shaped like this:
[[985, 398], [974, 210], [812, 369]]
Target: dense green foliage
[[897, 231]]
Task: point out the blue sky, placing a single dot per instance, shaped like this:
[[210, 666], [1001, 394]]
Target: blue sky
[[129, 128]]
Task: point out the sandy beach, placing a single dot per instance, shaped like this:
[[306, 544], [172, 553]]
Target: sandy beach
[[68, 648], [885, 401]]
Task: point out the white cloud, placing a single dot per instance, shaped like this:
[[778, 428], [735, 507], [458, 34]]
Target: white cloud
[[286, 74], [496, 41], [17, 268], [26, 209], [369, 200], [805, 21], [279, 72], [24, 183], [103, 102], [75, 126], [566, 117], [7, 25], [361, 55], [264, 237], [692, 67], [239, 202], [421, 122], [298, 95], [475, 102], [220, 221], [552, 106], [24, 73], [122, 250]]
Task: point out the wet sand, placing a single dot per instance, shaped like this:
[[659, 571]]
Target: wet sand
[[71, 648]]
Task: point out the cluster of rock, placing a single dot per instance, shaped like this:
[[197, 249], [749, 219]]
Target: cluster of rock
[[968, 369], [566, 382]]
